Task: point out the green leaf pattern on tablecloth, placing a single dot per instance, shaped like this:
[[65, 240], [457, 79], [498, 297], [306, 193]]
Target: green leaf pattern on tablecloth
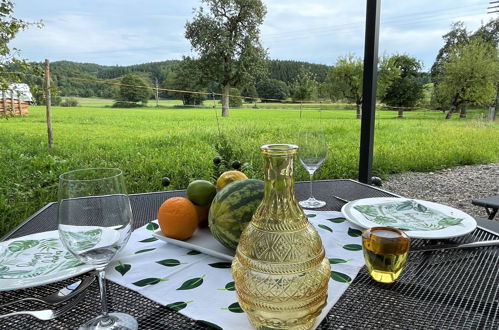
[[340, 277], [220, 265], [201, 287], [148, 281], [354, 232], [122, 268], [334, 261], [211, 325], [149, 240], [144, 250], [169, 262], [352, 247], [192, 283], [152, 226], [337, 220], [231, 286], [325, 227], [234, 308], [176, 306]]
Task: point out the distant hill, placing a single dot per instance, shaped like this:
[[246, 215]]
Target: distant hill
[[82, 79], [287, 71]]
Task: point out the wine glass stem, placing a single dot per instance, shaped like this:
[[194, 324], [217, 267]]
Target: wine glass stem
[[311, 179], [102, 289]]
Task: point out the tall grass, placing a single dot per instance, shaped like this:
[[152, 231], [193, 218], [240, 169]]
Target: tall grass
[[150, 143]]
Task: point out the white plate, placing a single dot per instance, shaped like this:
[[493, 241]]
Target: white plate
[[203, 241], [36, 260], [467, 225]]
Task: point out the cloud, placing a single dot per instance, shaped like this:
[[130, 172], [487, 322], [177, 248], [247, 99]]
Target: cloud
[[129, 32]]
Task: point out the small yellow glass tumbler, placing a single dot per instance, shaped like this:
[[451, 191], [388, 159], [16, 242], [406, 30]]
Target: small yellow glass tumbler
[[385, 251]]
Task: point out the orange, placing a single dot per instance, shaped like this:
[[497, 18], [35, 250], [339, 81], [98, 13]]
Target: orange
[[228, 177], [177, 218], [203, 212]]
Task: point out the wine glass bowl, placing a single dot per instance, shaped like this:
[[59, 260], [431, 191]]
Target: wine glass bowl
[[95, 223], [312, 154]]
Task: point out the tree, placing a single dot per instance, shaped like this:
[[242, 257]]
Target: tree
[[305, 86], [469, 75], [133, 89], [9, 27], [271, 90], [250, 92], [403, 90], [187, 78], [227, 39], [235, 100], [456, 36], [459, 36], [346, 78]]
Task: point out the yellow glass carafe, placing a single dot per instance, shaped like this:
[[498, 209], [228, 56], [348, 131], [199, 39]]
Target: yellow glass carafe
[[280, 270]]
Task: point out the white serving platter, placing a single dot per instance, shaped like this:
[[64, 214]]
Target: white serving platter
[[203, 241]]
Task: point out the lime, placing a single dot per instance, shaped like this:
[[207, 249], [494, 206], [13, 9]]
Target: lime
[[201, 192]]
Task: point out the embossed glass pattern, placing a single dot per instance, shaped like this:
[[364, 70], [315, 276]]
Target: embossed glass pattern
[[280, 270]]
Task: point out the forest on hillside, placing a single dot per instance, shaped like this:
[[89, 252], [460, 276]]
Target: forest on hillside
[[86, 79]]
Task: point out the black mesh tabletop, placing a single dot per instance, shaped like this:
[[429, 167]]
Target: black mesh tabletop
[[450, 289]]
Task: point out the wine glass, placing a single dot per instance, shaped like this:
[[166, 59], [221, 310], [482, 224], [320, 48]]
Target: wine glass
[[95, 222], [312, 153]]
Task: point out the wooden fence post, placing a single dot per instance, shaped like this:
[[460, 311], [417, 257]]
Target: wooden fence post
[[19, 103], [12, 110], [4, 103], [48, 105]]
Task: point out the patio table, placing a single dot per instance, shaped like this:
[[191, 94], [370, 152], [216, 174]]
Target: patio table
[[446, 289]]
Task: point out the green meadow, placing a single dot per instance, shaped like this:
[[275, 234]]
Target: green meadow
[[180, 143]]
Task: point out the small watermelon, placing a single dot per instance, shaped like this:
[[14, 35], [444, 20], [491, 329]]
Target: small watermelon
[[232, 209]]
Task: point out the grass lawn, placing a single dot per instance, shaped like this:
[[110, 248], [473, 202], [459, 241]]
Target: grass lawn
[[150, 143]]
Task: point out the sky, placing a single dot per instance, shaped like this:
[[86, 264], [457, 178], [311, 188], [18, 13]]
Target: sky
[[125, 32]]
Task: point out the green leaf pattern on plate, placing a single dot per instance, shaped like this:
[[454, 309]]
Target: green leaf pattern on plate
[[18, 246], [83, 240], [407, 215], [23, 259]]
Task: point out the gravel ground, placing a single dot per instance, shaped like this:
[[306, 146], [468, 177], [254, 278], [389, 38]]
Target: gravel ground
[[455, 187]]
